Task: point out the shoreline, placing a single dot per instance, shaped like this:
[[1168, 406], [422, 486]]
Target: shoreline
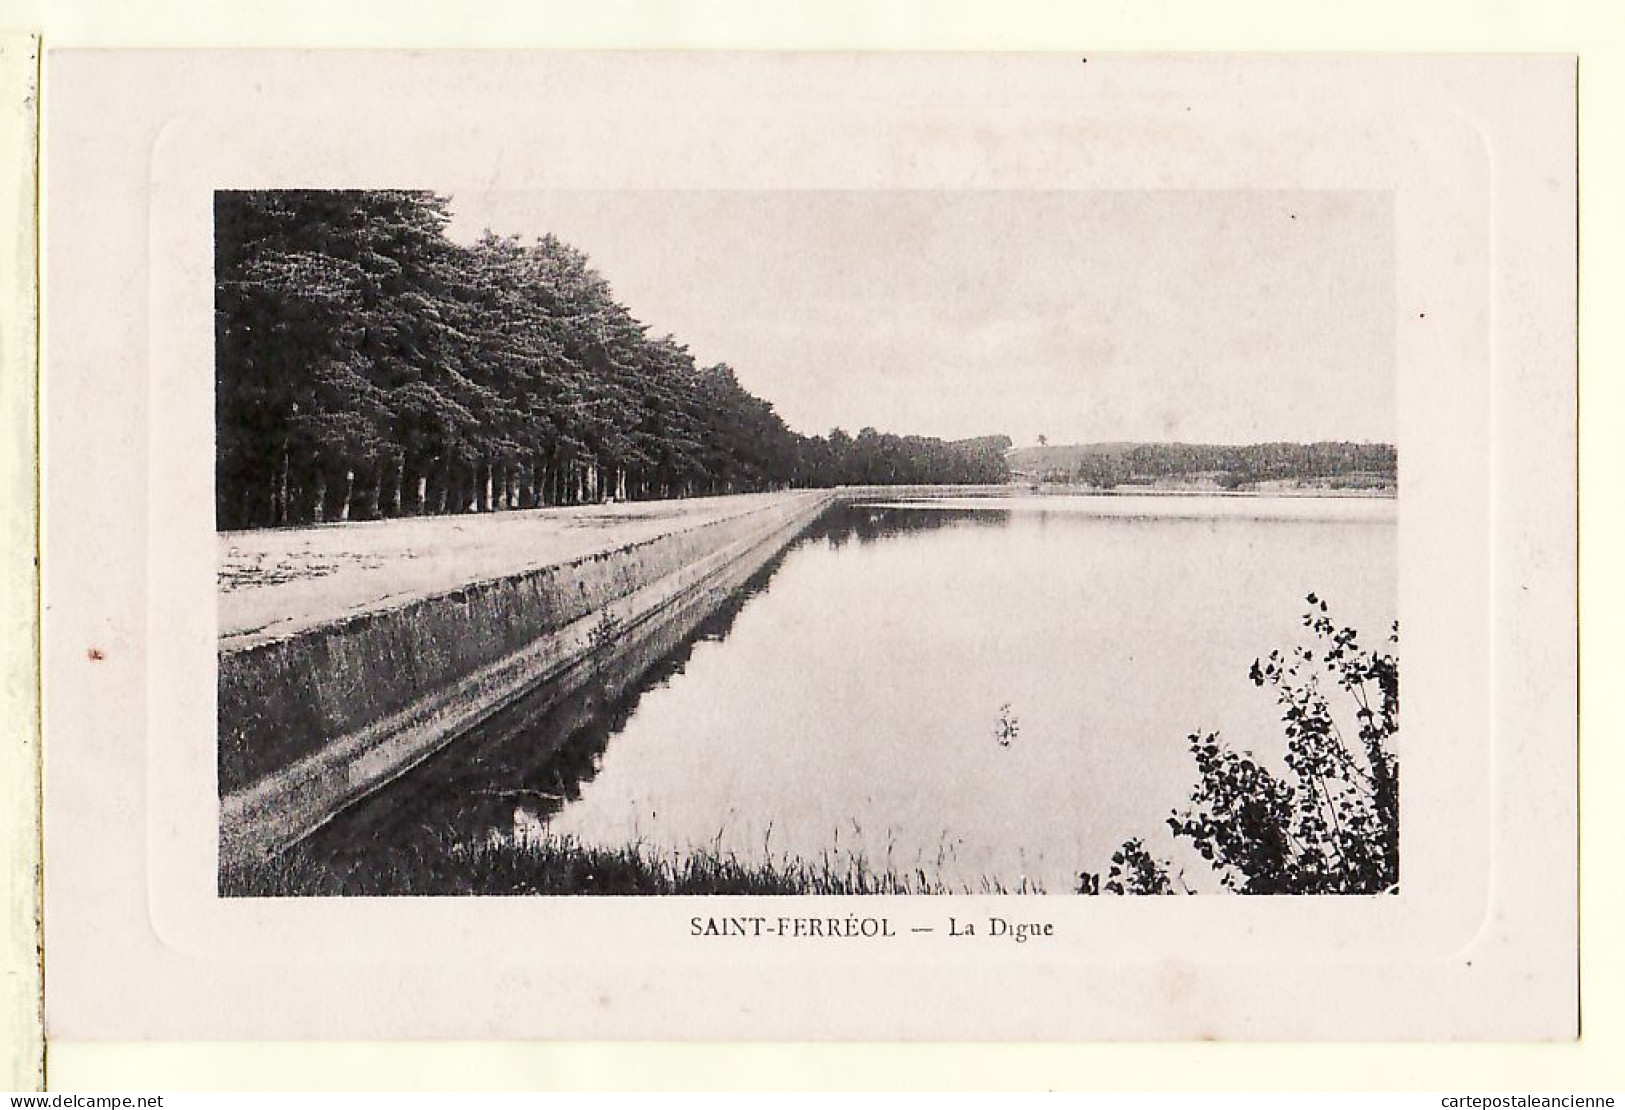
[[1388, 493]]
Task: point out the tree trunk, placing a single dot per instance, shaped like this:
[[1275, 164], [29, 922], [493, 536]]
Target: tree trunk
[[349, 488], [279, 499]]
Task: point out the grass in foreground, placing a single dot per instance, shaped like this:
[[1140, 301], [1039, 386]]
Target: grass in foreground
[[554, 865]]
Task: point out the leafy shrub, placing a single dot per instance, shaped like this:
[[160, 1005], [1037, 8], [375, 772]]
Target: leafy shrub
[[1134, 871], [1332, 826]]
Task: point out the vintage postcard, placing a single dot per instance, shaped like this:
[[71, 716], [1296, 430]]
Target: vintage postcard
[[810, 546]]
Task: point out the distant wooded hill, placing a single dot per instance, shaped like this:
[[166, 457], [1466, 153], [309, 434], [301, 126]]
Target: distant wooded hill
[[1106, 465]]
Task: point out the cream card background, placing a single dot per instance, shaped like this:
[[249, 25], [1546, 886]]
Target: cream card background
[[1232, 28]]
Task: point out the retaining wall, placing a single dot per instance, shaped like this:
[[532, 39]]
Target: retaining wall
[[311, 721]]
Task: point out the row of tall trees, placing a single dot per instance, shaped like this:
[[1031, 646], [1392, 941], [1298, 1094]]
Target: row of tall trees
[[880, 458], [367, 366]]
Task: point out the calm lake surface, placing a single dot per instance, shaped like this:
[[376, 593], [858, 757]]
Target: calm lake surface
[[851, 699]]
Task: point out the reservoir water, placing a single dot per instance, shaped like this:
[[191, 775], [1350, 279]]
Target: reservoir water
[[995, 692]]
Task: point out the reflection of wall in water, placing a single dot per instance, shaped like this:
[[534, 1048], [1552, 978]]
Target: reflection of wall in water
[[512, 773], [843, 523]]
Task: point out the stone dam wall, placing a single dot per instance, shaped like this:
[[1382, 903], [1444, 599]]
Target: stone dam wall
[[311, 721]]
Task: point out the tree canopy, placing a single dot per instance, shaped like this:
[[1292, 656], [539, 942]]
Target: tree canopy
[[367, 366]]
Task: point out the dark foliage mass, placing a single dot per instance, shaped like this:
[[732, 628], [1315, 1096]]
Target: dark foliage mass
[[1107, 465], [1239, 466], [367, 366], [1331, 825]]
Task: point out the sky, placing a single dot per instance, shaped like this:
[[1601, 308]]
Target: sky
[[1216, 317]]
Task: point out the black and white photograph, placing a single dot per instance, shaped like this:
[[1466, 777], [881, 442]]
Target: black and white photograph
[[810, 547], [807, 542]]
